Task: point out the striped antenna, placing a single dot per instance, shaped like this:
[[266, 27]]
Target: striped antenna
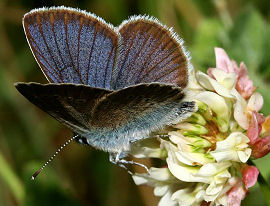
[[52, 157]]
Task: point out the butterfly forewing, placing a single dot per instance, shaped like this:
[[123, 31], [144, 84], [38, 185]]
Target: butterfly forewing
[[72, 46], [68, 103], [150, 52], [110, 120]]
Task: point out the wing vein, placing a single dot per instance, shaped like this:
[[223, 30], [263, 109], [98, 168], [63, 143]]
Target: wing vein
[[41, 32], [58, 50], [66, 34], [146, 63], [167, 73], [136, 56], [155, 66], [126, 54], [40, 54], [96, 71], [91, 51], [106, 68], [78, 51]]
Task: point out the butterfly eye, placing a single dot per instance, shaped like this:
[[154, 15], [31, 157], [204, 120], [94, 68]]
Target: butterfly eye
[[84, 140]]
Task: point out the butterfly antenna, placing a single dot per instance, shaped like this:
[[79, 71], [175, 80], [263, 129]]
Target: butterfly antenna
[[52, 157]]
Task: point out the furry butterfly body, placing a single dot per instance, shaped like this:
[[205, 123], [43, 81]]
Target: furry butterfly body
[[111, 85]]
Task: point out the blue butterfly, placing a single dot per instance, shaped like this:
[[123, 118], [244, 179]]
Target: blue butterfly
[[111, 86]]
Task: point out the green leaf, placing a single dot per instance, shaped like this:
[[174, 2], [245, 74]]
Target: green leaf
[[247, 39], [12, 180], [206, 38], [265, 66]]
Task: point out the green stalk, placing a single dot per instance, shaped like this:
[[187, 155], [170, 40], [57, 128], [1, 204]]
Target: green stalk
[[12, 180], [265, 188], [263, 185]]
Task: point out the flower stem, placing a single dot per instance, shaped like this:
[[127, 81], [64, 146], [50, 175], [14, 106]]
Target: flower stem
[[263, 185], [12, 180]]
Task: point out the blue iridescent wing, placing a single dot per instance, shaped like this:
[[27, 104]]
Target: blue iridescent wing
[[72, 46], [150, 52]]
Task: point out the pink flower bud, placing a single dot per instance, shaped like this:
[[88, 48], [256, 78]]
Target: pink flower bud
[[261, 147], [236, 194], [243, 84], [266, 126], [255, 127], [249, 175], [223, 61]]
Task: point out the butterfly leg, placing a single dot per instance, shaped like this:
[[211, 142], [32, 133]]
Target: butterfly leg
[[116, 159], [123, 161]]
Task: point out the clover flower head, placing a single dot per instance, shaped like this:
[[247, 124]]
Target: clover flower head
[[206, 156]]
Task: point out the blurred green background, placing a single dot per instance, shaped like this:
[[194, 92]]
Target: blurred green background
[[80, 175]]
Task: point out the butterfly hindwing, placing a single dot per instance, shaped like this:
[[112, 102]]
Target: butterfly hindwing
[[140, 109], [150, 52], [72, 46], [68, 103]]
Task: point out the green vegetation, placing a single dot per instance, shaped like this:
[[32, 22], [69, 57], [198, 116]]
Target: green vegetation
[[81, 175]]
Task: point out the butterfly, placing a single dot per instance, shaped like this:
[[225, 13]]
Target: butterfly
[[112, 86]]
